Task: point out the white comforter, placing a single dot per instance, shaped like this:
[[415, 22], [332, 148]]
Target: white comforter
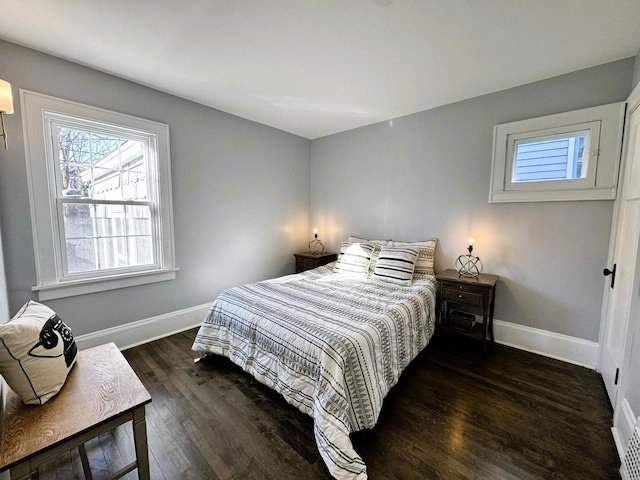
[[331, 344]]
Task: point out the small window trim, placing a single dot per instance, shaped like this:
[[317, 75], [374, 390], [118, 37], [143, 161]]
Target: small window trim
[[50, 282], [605, 123]]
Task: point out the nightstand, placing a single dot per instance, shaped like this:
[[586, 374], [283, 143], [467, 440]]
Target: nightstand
[[459, 299], [309, 260]]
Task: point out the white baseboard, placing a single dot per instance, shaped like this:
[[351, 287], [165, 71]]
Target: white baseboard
[[562, 347], [146, 330], [554, 345], [624, 421]]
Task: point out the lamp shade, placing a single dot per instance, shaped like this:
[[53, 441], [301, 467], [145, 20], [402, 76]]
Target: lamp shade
[[6, 99]]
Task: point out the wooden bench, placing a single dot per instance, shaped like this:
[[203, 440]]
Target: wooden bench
[[101, 392]]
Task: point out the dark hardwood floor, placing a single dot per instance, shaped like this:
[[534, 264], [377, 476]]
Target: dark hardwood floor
[[453, 415]]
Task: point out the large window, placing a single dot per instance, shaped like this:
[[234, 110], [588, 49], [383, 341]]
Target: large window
[[568, 156], [101, 197]]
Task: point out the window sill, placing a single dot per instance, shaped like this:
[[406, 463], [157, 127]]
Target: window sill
[[553, 195], [93, 285]]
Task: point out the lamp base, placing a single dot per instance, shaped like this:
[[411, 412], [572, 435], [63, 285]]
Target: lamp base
[[469, 265], [4, 131], [316, 247]]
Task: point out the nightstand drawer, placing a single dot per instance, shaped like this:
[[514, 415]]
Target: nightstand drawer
[[462, 294], [302, 265], [308, 260]]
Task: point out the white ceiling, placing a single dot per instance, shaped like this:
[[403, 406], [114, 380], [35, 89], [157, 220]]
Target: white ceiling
[[317, 67]]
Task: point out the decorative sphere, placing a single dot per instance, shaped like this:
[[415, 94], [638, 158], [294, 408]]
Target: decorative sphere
[[469, 265], [316, 247]]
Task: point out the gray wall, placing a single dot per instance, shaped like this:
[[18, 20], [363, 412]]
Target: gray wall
[[427, 175], [636, 71], [240, 194]]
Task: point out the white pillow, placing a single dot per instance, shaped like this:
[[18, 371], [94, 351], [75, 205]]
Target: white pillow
[[382, 243], [37, 351], [378, 244], [396, 265], [354, 258], [424, 264]]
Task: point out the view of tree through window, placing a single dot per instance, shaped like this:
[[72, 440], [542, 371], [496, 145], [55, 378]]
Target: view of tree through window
[[103, 192]]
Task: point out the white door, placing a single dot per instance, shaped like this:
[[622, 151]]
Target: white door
[[624, 255]]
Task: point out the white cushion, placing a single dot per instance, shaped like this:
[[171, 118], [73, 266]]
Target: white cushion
[[396, 265], [37, 351], [378, 244], [354, 258]]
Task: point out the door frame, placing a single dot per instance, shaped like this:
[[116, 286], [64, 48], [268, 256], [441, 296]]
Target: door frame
[[623, 417]]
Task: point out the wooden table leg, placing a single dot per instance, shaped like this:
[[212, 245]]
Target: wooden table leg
[[25, 471], [485, 330], [85, 462], [140, 441], [491, 323]]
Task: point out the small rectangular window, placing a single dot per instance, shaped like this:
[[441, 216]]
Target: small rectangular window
[[567, 156], [554, 157]]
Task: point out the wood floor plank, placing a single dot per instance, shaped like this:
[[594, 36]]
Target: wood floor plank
[[453, 415], [260, 429]]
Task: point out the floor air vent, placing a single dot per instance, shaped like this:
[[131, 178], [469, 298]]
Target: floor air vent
[[630, 469]]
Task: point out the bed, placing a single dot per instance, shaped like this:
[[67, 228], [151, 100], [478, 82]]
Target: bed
[[333, 340]]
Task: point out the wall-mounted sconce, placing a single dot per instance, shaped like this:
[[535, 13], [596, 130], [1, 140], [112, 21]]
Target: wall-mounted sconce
[[469, 265], [6, 106], [315, 245]]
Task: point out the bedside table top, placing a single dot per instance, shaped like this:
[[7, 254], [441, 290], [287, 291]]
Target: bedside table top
[[484, 279], [314, 255]]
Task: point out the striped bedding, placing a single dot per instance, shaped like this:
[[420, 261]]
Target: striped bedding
[[331, 344]]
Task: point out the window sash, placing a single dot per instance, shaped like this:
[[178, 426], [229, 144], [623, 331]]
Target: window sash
[[53, 122], [550, 158], [100, 238], [591, 156]]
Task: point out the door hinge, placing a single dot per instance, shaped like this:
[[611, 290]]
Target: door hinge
[[615, 382]]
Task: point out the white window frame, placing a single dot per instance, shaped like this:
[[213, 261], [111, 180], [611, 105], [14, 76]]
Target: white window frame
[[604, 123], [591, 157], [38, 111]]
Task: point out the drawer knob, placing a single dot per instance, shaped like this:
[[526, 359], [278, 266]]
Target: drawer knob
[[460, 296]]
